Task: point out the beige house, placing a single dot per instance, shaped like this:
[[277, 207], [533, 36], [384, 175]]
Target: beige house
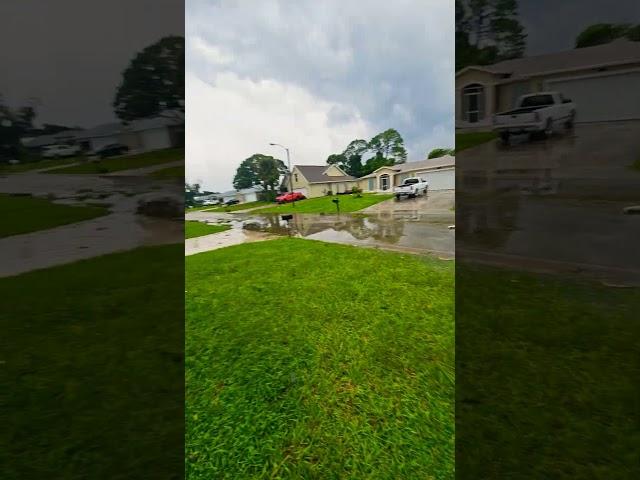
[[319, 180], [439, 172], [602, 81]]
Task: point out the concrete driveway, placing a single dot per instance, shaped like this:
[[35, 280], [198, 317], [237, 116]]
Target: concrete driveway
[[554, 205]]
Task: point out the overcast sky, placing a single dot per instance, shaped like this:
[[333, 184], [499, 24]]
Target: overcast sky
[[70, 54], [313, 75], [553, 25]]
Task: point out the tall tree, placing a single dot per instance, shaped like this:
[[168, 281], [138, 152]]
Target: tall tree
[[601, 33], [389, 145], [487, 31], [153, 83], [245, 176], [262, 170], [441, 152]]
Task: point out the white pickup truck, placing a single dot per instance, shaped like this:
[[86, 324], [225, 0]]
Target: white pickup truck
[[536, 113], [59, 151], [411, 187]]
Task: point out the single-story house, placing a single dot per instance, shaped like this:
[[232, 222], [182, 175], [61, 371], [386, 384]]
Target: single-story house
[[318, 180], [246, 195], [439, 172], [65, 137], [140, 135], [602, 81]]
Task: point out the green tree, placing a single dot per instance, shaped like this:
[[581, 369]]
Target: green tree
[[601, 33], [263, 170], [389, 145], [487, 31], [441, 152], [153, 83], [245, 176], [375, 162]]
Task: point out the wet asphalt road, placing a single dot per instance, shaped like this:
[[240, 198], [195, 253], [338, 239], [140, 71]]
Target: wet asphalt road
[[554, 205], [413, 225]]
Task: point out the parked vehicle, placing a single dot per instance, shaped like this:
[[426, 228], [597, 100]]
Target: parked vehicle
[[59, 151], [290, 197], [411, 187], [233, 201], [537, 113], [111, 150]]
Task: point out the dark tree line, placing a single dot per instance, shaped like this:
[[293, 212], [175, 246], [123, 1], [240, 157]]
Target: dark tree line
[[487, 31]]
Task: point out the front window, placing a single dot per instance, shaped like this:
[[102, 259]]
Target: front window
[[473, 102], [384, 182], [537, 101], [372, 184]]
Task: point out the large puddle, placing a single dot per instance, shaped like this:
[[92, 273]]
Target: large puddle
[[121, 229], [408, 231]]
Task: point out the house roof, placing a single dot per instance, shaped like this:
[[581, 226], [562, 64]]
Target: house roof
[[141, 124], [254, 189], [102, 130], [315, 174], [52, 138], [618, 52], [427, 164]]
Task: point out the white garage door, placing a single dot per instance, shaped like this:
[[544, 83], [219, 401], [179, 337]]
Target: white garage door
[[440, 179], [156, 139], [301, 190], [602, 98]]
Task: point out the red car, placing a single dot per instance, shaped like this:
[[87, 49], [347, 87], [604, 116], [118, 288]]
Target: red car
[[290, 197]]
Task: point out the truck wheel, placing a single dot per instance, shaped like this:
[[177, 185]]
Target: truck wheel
[[570, 122], [548, 129], [504, 137], [397, 198]]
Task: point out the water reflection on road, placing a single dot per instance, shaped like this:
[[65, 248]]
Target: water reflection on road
[[408, 231]]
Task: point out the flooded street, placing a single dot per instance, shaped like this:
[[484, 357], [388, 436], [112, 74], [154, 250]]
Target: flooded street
[[405, 226], [553, 206], [121, 229]]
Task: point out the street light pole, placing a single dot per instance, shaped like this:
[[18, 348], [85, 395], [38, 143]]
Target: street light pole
[[288, 167]]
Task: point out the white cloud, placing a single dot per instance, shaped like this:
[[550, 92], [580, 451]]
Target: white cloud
[[317, 74], [233, 118]]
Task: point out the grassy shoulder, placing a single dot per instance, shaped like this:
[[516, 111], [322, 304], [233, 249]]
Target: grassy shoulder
[[239, 206], [39, 164], [338, 362], [128, 162], [348, 203], [25, 214], [544, 386], [471, 139], [194, 229], [102, 394], [170, 172]]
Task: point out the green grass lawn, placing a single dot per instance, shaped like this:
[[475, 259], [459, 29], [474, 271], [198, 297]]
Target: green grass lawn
[[39, 164], [198, 229], [170, 172], [348, 203], [546, 382], [307, 359], [635, 165], [240, 206], [23, 214], [108, 165], [94, 358], [471, 139]]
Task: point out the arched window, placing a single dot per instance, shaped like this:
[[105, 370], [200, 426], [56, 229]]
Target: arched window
[[473, 103]]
